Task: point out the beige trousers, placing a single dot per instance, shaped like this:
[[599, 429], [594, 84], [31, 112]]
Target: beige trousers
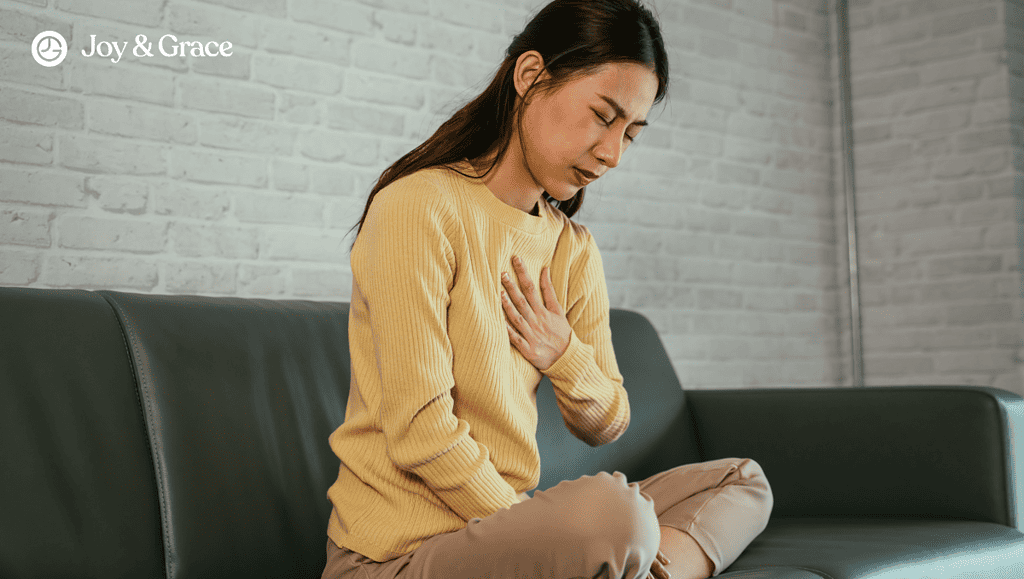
[[597, 526]]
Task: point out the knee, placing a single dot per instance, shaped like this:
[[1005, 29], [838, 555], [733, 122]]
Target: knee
[[753, 476], [613, 509]]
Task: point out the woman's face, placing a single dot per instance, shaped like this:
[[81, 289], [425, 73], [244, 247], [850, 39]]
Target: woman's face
[[579, 126]]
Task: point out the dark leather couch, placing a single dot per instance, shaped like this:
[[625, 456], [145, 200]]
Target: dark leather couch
[[146, 436]]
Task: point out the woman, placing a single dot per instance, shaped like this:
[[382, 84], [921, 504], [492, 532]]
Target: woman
[[469, 282]]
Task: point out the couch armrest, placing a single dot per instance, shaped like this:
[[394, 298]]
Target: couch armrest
[[906, 451]]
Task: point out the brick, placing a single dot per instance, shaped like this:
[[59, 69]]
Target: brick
[[659, 162], [304, 40], [442, 102], [989, 212], [252, 207], [121, 82], [980, 164], [943, 122], [740, 174], [298, 109], [354, 118], [212, 22], [382, 90], [714, 95], [143, 12], [400, 28], [19, 268], [717, 47], [38, 187], [332, 180], [436, 35], [475, 15], [128, 235], [974, 141], [292, 244], [289, 176], [963, 21], [146, 122], [974, 67], [262, 281], [932, 241], [938, 50], [247, 135], [17, 65], [939, 96], [945, 291], [333, 283], [964, 265], [1002, 186], [104, 155], [992, 113], [22, 106], [974, 314], [238, 65], [884, 84], [118, 195], [299, 74], [403, 6], [457, 72], [209, 240], [191, 201], [337, 14], [22, 27], [885, 154], [276, 8], [83, 272], [26, 145], [206, 166], [390, 59], [193, 278], [227, 97], [25, 227], [334, 146]]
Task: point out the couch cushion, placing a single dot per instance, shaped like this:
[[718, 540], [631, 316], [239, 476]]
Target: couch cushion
[[886, 548], [77, 489], [240, 396]]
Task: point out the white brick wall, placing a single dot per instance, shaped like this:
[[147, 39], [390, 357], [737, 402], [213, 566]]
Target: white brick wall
[[241, 175], [936, 129]]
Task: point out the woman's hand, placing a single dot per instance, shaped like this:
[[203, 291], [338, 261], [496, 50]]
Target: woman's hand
[[658, 570], [539, 330]]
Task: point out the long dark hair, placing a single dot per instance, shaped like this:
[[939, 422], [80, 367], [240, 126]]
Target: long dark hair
[[575, 38]]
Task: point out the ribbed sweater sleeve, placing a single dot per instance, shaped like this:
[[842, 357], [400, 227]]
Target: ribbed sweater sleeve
[[405, 269], [588, 385]]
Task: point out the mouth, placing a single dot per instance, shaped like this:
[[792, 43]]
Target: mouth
[[583, 177]]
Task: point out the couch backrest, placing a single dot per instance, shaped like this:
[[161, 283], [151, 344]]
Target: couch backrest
[[78, 494], [202, 423]]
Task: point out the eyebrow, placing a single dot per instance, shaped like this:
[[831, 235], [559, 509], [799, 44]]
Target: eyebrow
[[619, 111]]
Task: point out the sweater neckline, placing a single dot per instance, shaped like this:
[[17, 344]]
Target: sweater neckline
[[502, 211]]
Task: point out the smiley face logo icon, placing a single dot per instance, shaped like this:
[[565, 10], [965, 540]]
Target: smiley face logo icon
[[49, 48]]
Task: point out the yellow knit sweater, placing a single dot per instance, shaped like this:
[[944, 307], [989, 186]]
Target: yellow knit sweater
[[441, 421]]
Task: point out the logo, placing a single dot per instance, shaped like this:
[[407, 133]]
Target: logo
[[49, 48]]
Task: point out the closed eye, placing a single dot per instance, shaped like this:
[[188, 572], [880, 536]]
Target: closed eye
[[608, 124]]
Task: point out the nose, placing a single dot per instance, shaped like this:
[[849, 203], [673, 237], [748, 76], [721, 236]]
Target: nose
[[609, 149]]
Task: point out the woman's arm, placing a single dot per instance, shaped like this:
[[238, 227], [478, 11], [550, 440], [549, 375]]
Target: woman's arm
[[574, 348], [588, 385], [404, 266]]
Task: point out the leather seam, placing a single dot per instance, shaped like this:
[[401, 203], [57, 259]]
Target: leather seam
[[145, 406]]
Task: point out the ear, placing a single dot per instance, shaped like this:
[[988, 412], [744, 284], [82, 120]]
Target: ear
[[528, 67]]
